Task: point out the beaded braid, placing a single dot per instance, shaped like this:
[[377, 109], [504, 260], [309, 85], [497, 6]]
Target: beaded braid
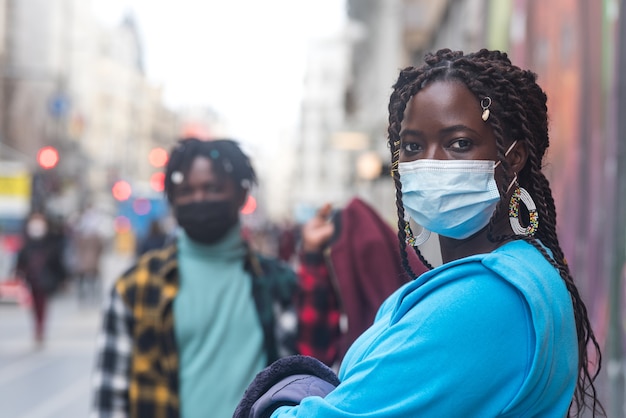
[[397, 105], [518, 111]]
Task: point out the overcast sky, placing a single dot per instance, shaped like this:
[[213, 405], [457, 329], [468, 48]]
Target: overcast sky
[[241, 57]]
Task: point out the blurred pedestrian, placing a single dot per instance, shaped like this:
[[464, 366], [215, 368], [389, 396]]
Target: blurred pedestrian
[[348, 266], [188, 326], [88, 245], [40, 264], [154, 239], [286, 241], [499, 329]]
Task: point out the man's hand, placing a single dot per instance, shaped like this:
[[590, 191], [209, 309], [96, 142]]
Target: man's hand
[[318, 230]]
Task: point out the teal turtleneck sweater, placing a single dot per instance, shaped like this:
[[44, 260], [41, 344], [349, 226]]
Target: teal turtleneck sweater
[[218, 332]]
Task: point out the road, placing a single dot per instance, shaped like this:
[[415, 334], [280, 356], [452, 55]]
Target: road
[[54, 380]]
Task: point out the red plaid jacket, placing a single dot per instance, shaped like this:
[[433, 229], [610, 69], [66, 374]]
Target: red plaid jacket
[[342, 289], [319, 310]]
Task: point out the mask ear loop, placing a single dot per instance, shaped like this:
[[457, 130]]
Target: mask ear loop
[[514, 181], [508, 189], [508, 151]]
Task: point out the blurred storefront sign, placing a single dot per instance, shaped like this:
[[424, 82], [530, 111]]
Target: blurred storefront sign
[[15, 192], [350, 140]]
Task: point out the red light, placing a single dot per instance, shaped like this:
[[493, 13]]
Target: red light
[[121, 190], [157, 181], [158, 157], [197, 130], [249, 207], [48, 157]]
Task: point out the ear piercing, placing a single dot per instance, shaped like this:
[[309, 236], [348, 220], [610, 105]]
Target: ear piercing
[[177, 177], [484, 104]]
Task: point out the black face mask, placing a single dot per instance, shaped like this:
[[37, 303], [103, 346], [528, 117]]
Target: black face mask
[[208, 221]]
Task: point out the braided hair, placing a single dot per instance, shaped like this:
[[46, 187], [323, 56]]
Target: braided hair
[[518, 111], [229, 160]]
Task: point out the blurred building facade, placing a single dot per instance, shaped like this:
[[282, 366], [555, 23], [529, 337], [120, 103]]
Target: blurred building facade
[[3, 34], [323, 169], [579, 54], [128, 117], [342, 145], [68, 82]]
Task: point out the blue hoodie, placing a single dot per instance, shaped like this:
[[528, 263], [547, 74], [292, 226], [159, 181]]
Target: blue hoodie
[[491, 335]]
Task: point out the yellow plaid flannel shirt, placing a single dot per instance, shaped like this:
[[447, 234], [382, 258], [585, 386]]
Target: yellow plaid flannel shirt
[[137, 371]]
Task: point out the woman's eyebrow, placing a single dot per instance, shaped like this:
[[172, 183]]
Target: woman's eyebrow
[[445, 131], [455, 128], [411, 132]]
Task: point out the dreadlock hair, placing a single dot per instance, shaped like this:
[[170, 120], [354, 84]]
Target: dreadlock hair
[[518, 111], [227, 157]]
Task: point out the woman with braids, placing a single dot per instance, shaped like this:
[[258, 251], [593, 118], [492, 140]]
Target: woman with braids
[[499, 329]]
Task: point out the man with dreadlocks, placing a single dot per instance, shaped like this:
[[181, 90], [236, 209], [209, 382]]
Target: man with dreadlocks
[[188, 326], [499, 329]]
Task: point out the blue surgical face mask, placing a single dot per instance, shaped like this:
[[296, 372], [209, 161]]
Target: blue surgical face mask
[[454, 198]]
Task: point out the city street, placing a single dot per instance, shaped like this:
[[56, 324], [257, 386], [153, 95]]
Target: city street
[[53, 380]]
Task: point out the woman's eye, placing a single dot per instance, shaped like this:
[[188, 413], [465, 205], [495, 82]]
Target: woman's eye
[[410, 147], [461, 144]]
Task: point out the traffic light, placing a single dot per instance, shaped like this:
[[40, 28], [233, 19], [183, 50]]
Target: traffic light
[[157, 181], [250, 206], [48, 157], [158, 157], [121, 190]]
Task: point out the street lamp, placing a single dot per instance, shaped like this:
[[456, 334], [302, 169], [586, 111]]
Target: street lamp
[[369, 166]]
